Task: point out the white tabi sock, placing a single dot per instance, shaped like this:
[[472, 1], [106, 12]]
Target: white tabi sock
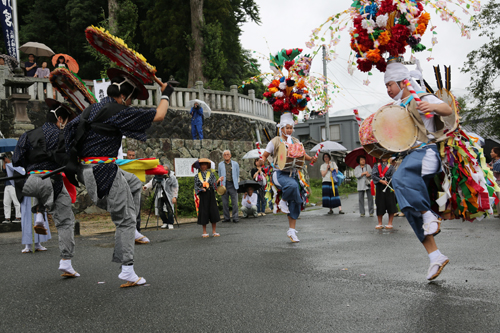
[[433, 256], [428, 216], [128, 274], [65, 266], [39, 218], [137, 234]]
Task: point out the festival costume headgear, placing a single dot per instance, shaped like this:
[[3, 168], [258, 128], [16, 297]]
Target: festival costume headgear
[[196, 165], [57, 108], [143, 93], [288, 94], [398, 72]]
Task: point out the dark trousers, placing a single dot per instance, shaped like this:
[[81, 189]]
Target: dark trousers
[[166, 217], [261, 200], [230, 191]]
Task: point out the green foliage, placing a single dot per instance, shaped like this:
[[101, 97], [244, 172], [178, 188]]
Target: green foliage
[[483, 65], [159, 30], [167, 32], [185, 201], [60, 25], [214, 62]]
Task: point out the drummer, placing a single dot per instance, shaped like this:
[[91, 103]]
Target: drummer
[[287, 181], [421, 163]]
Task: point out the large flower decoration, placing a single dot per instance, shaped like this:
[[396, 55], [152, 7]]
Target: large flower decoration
[[386, 28], [288, 93]]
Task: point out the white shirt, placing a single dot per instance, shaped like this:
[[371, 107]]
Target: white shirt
[[328, 174], [253, 200]]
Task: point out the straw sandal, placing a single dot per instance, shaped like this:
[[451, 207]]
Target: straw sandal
[[132, 284], [140, 241]]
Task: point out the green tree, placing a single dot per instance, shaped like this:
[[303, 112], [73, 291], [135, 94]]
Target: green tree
[[483, 65], [168, 33], [60, 24], [214, 62]]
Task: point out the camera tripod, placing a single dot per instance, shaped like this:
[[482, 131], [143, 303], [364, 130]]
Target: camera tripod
[[158, 188]]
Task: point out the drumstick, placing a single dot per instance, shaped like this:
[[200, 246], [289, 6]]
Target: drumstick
[[388, 186], [258, 149], [317, 153], [358, 119], [415, 96]]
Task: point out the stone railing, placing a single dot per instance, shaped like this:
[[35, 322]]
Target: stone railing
[[219, 101]]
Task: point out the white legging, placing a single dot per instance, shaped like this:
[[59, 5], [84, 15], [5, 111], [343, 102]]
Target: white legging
[[9, 197], [430, 162]]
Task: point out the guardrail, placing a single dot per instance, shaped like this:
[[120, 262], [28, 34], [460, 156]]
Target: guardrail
[[221, 101]]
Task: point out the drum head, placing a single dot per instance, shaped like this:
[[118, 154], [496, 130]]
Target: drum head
[[451, 121], [394, 128], [281, 156]]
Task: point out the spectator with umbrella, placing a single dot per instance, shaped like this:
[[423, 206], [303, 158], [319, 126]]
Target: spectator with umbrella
[[30, 66], [196, 120], [249, 200], [66, 61], [363, 173], [330, 190]]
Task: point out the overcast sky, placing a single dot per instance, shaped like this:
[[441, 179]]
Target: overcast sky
[[289, 24]]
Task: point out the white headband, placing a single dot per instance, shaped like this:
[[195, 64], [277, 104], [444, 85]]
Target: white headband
[[397, 72]]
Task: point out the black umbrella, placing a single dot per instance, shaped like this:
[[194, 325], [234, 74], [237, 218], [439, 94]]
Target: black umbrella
[[244, 185]]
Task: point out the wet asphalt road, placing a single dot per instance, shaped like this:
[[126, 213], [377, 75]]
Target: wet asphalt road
[[344, 276]]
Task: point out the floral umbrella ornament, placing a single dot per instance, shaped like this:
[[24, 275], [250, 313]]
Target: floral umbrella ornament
[[287, 93], [384, 29]]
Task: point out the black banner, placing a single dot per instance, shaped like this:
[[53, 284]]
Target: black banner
[[8, 27]]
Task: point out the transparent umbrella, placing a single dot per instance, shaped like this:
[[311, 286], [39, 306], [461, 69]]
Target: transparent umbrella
[[328, 146], [206, 109], [252, 154], [37, 49]]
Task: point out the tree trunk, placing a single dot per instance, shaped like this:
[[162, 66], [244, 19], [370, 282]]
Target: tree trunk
[[196, 47], [113, 13]]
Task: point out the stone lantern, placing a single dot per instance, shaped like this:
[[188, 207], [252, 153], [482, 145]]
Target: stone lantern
[[17, 95]]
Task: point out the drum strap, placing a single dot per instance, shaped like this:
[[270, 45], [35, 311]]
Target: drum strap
[[411, 106]]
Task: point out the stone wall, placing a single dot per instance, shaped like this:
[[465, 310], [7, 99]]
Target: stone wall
[[176, 125]]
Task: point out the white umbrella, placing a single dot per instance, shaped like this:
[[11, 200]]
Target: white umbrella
[[206, 109], [329, 146], [252, 154], [38, 49]]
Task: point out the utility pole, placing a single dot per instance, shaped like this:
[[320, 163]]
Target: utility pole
[[327, 117]]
